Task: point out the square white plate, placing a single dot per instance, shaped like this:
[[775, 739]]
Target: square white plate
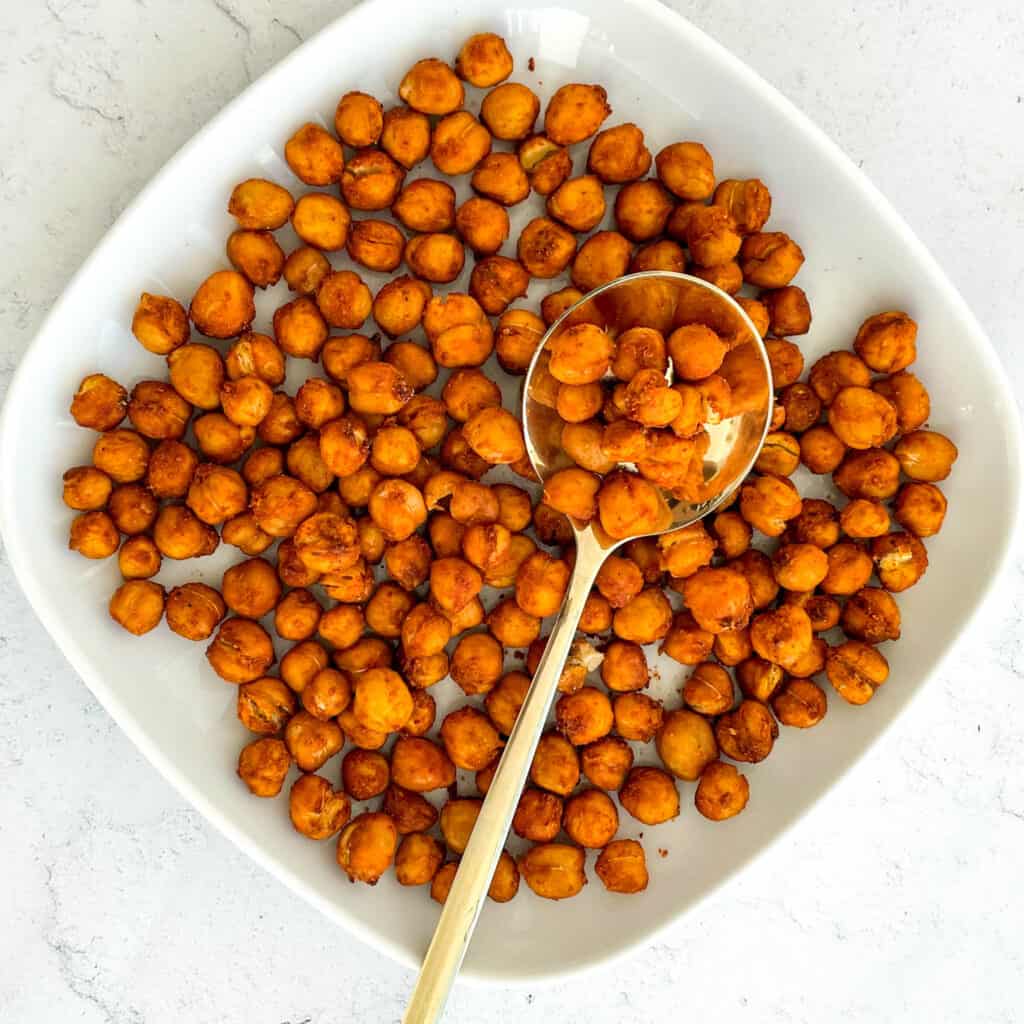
[[677, 84]]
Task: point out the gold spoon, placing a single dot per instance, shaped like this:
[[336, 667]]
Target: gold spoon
[[664, 300]]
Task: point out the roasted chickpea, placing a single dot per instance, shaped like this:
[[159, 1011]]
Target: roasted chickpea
[[686, 170], [510, 111], [573, 492], [856, 670], [590, 818], [637, 716], [317, 810], [849, 569], [607, 762], [454, 583], [540, 584], [179, 534], [749, 203], [160, 323], [217, 493], [861, 418], [835, 371], [788, 310], [602, 257], [748, 733], [305, 269], [864, 518], [297, 615], [431, 86], [156, 410], [556, 765], [441, 883], [925, 455], [908, 396], [251, 588], [709, 689], [782, 636], [802, 406], [311, 742], [139, 558], [223, 306], [299, 325], [264, 705], [719, 599], [768, 503], [132, 508], [770, 259], [459, 143], [800, 566], [575, 112], [722, 792], [584, 716], [418, 858], [257, 255], [411, 812], [476, 663], [484, 60], [510, 625], [371, 181], [624, 667], [377, 245], [821, 449], [868, 474], [263, 765], [469, 739], [554, 871], [435, 257], [500, 176], [619, 580], [642, 209], [358, 119], [364, 774], [344, 300], [457, 820], [99, 403], [900, 560], [482, 224], [359, 735], [86, 488], [260, 204], [646, 618], [920, 508], [281, 503], [345, 445], [622, 867], [546, 163], [255, 355], [545, 248], [241, 651], [405, 136], [887, 342], [496, 282], [300, 666], [800, 704], [711, 236], [137, 606], [650, 795], [197, 373], [759, 679], [367, 846]]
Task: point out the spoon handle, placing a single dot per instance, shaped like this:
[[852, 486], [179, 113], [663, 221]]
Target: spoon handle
[[476, 868]]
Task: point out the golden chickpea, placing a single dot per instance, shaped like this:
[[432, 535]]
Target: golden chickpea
[[650, 795], [573, 492], [768, 503], [137, 606], [770, 259], [99, 403], [554, 871], [835, 371], [476, 663], [358, 120], [920, 508], [926, 455], [300, 666], [759, 679], [505, 699], [327, 694], [418, 859], [732, 646], [547, 164], [864, 518], [256, 255], [575, 112], [495, 435], [241, 651], [344, 300], [538, 816], [263, 765], [800, 566], [552, 307], [371, 181], [180, 535], [132, 508], [260, 204], [545, 248], [579, 203], [223, 306], [484, 60], [873, 473], [900, 560], [299, 325], [908, 396], [366, 847], [359, 735], [782, 636], [685, 743], [849, 569], [311, 742], [217, 493], [607, 762], [160, 323], [887, 342], [787, 361], [540, 584], [821, 449], [584, 716], [719, 599], [590, 819], [749, 203], [622, 867], [264, 705], [435, 257], [454, 583], [86, 488], [253, 355], [376, 245], [603, 257], [624, 668], [411, 812], [305, 269], [619, 580], [364, 774], [405, 136], [661, 255], [157, 411], [646, 618], [246, 401], [856, 670], [788, 310], [756, 567], [686, 170], [642, 209], [317, 810], [709, 689], [408, 562], [748, 733], [297, 615], [431, 87], [387, 608], [618, 155], [251, 588], [722, 792], [459, 143], [500, 176], [469, 739], [139, 558], [344, 445], [556, 765], [457, 819], [511, 626], [510, 111], [582, 442], [637, 716], [496, 282], [696, 351], [397, 508], [861, 418], [800, 704], [802, 406], [711, 237], [197, 372], [281, 503], [442, 881], [630, 506]]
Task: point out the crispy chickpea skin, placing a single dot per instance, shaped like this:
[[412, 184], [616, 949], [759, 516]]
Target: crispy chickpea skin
[[484, 60], [908, 397], [251, 588], [722, 792], [510, 111], [540, 584], [770, 259], [874, 473], [920, 509], [263, 765], [642, 209], [871, 615], [86, 488], [358, 119], [686, 170], [800, 704], [260, 205], [650, 795], [861, 418], [160, 323], [194, 610], [265, 705], [624, 668], [311, 742], [719, 599], [622, 867], [366, 847], [685, 744], [241, 651], [257, 255], [782, 636], [419, 765], [545, 248], [469, 739], [926, 455], [418, 858], [99, 403], [856, 670], [371, 181], [137, 606], [431, 87], [364, 774], [316, 810], [590, 818], [584, 716], [405, 136], [556, 765], [607, 762], [222, 305], [748, 733], [768, 503], [554, 871]]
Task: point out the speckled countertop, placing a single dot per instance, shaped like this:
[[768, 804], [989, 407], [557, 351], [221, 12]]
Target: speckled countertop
[[897, 899]]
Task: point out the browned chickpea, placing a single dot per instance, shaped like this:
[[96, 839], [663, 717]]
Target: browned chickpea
[[344, 300], [344, 445], [410, 811], [327, 694], [624, 667], [719, 599], [722, 792], [496, 282], [749, 203], [646, 618], [732, 646], [510, 111], [800, 566], [551, 308], [768, 503], [685, 743], [241, 651], [454, 583], [470, 739], [408, 562], [139, 558], [482, 224], [759, 679], [540, 584], [341, 355], [442, 881], [538, 816], [246, 401], [397, 507], [575, 112], [160, 323], [263, 765], [510, 625], [887, 342], [770, 259], [554, 871], [197, 372], [868, 474], [573, 492], [547, 164], [367, 846], [637, 716], [305, 269], [264, 705], [476, 663], [431, 86], [376, 244], [251, 588], [925, 455], [732, 533], [821, 449], [622, 867], [582, 442], [194, 611], [459, 143], [800, 704], [686, 170], [317, 810], [921, 509], [500, 176], [864, 518], [856, 670], [458, 817], [132, 508], [99, 403], [158, 411], [578, 203], [86, 488], [300, 327], [602, 257], [311, 742], [661, 255], [696, 351], [255, 355], [297, 615], [900, 560], [835, 371], [260, 204], [584, 716], [711, 236], [822, 610], [650, 795], [788, 310], [364, 774], [818, 524], [787, 361], [619, 155], [300, 666], [257, 255], [590, 819], [556, 765], [137, 606], [217, 493], [908, 396], [387, 608], [709, 689], [545, 248], [607, 762], [619, 580], [484, 60], [223, 306], [418, 859], [515, 510], [782, 636], [505, 699], [812, 662], [435, 257], [861, 418], [628, 506], [802, 406], [366, 653], [405, 136], [467, 392], [642, 209], [359, 735], [281, 503], [748, 733], [849, 569], [358, 119], [371, 181], [756, 567]]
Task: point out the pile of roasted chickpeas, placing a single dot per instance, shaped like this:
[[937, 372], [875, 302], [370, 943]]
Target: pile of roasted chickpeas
[[370, 539]]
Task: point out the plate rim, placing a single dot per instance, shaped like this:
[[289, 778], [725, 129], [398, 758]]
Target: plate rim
[[63, 637]]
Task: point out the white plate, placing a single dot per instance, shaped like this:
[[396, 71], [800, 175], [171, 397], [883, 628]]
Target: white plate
[[677, 84]]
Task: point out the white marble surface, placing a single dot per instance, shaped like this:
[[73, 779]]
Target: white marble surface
[[897, 899]]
